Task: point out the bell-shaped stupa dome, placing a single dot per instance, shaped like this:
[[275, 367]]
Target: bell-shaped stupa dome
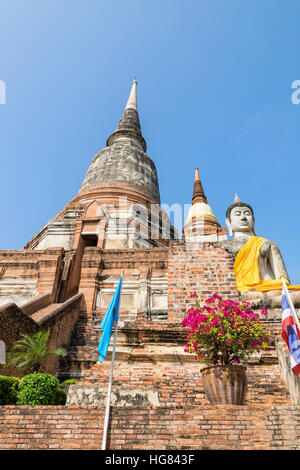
[[124, 158]]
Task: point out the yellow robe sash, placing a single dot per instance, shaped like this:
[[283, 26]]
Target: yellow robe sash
[[247, 271]]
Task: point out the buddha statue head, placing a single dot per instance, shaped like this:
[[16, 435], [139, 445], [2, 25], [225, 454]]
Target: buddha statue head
[[240, 219]]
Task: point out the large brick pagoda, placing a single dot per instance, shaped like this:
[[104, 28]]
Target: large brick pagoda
[[64, 278]]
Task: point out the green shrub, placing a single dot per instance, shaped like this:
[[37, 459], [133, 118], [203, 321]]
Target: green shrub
[[61, 397], [31, 351], [70, 382], [9, 387], [39, 389]]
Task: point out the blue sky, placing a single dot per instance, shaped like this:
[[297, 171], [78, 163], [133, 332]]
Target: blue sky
[[214, 91]]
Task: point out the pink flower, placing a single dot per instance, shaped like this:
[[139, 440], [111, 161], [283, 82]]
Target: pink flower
[[264, 311], [208, 319]]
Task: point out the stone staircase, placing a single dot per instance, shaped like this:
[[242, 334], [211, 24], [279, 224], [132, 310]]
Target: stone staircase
[[44, 312], [40, 314]]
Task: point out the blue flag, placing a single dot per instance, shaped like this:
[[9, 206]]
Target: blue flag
[[110, 316]]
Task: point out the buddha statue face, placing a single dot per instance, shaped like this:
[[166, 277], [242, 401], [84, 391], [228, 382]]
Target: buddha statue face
[[240, 220]]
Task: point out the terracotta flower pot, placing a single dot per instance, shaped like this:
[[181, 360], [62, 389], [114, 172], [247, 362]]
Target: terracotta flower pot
[[225, 385]]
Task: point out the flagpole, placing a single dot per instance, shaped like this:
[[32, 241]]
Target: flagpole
[[286, 291], [107, 408]]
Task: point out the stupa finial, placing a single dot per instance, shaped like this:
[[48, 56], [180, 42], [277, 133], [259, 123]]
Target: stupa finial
[[129, 125], [132, 100], [198, 193]]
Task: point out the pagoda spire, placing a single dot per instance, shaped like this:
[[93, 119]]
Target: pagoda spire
[[129, 125], [198, 193], [200, 209], [201, 224], [132, 100]]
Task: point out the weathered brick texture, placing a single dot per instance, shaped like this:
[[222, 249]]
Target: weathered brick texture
[[257, 427], [182, 384], [206, 270], [59, 318]]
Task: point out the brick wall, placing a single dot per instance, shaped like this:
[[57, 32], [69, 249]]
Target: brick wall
[[150, 357], [13, 323], [292, 381], [257, 427], [59, 318], [182, 385], [205, 269], [42, 265]]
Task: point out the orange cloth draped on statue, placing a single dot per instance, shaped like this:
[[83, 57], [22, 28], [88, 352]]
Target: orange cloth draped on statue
[[247, 271]]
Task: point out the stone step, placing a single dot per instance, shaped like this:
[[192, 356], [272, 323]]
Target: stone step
[[38, 316]]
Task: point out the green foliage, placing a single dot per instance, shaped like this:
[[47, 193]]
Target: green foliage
[[9, 387], [40, 389], [30, 352], [61, 397], [223, 331], [70, 382]]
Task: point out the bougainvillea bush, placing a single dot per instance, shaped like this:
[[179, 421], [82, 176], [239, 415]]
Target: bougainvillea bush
[[223, 331]]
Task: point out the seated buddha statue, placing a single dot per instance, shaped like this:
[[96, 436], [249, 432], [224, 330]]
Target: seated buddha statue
[[258, 266]]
